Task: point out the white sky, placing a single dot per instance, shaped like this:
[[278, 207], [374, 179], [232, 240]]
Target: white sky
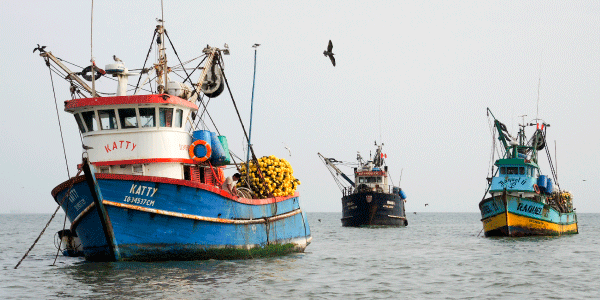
[[432, 66]]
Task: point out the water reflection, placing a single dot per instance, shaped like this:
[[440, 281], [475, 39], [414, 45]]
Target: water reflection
[[173, 279]]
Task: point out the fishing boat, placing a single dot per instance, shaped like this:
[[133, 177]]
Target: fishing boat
[[522, 201], [150, 186], [371, 199]]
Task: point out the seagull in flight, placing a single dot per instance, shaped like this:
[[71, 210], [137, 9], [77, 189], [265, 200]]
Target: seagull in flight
[[117, 59], [426, 204], [329, 53]]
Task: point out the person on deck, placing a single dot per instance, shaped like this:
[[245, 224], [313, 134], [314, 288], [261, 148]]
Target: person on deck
[[229, 184]]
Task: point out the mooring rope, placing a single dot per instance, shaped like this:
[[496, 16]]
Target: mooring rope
[[60, 240], [49, 221]]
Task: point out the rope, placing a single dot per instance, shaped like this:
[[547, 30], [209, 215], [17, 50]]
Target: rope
[[60, 240], [211, 120], [58, 117], [48, 224]]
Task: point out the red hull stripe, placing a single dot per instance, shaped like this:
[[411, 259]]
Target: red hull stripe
[[143, 161], [137, 99], [181, 182]]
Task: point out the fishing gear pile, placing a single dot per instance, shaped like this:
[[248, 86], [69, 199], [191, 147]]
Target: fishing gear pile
[[278, 178]]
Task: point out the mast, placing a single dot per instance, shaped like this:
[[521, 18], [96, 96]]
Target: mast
[[161, 65], [255, 46]]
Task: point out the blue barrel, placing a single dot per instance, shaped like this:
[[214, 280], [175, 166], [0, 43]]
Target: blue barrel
[[217, 157], [402, 194], [225, 146], [542, 183], [550, 187], [204, 135]]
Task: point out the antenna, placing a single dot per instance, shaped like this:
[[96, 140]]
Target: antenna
[[380, 120], [92, 53], [399, 181], [165, 68], [523, 117], [539, 84]]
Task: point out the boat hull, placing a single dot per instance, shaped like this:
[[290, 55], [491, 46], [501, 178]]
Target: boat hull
[[164, 219], [516, 217], [373, 209]]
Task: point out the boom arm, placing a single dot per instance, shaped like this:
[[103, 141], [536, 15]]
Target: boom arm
[[501, 130], [335, 171]]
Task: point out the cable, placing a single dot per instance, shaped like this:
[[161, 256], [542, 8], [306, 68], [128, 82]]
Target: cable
[[58, 117]]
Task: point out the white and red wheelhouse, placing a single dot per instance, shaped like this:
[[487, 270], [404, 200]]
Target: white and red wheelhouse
[[137, 135]]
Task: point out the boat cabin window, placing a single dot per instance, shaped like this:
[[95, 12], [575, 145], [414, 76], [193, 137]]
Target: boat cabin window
[[369, 179], [147, 117], [80, 123], [108, 119], [178, 121], [89, 118], [166, 116], [512, 170], [128, 118]]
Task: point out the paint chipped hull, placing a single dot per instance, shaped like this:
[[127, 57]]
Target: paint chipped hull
[[165, 219], [373, 209], [524, 217]]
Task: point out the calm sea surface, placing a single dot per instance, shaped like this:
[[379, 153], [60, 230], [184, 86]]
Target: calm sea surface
[[438, 256]]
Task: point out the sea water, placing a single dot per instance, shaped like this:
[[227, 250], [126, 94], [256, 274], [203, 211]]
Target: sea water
[[438, 256]]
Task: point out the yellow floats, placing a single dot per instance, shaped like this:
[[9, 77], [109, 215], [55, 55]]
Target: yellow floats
[[278, 177]]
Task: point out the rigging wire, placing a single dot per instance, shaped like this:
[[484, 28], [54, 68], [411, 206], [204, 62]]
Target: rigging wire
[[244, 129], [177, 55], [145, 61], [58, 118]]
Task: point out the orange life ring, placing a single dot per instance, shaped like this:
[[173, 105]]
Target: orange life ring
[[536, 188], [200, 159]]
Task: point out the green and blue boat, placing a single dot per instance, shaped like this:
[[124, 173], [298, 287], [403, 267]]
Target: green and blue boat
[[520, 200]]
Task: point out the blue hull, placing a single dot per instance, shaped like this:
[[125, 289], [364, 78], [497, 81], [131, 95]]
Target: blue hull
[[181, 220]]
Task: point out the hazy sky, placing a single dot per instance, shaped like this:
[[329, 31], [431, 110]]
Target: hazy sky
[[426, 69]]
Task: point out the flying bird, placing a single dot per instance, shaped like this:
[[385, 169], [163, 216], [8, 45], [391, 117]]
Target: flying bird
[[288, 148], [329, 53], [117, 59], [41, 49], [426, 204]]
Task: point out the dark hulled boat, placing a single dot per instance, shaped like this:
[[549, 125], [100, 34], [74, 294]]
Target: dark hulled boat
[[371, 199]]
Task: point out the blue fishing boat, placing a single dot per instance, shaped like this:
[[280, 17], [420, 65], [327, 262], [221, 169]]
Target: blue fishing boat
[[521, 201], [151, 184]]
